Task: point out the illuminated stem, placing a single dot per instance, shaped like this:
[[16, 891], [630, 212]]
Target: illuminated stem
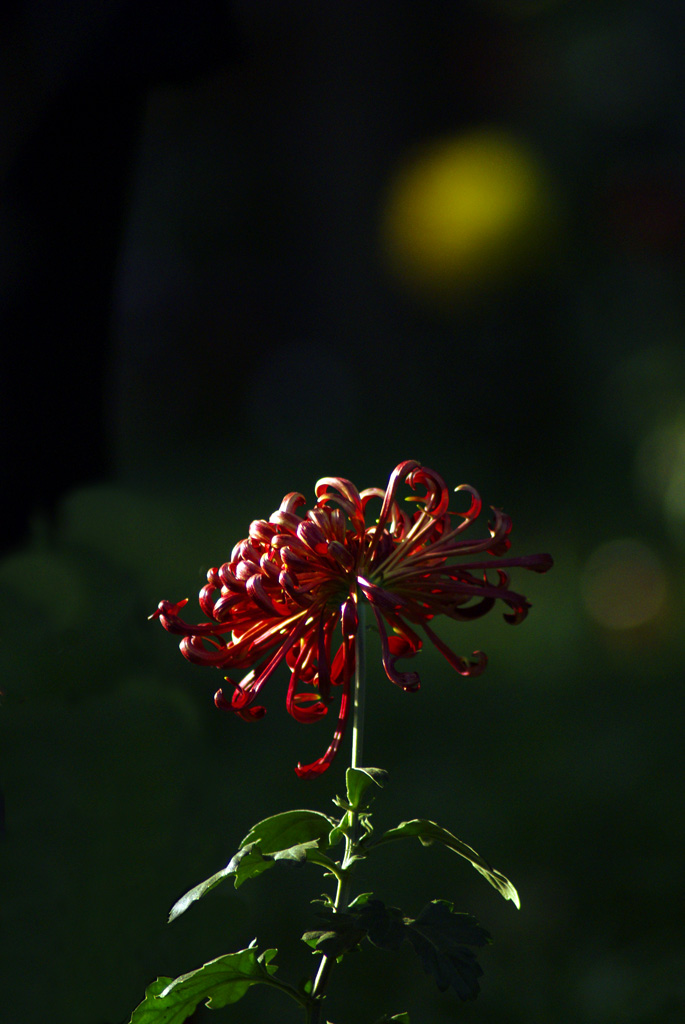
[[359, 690], [342, 896]]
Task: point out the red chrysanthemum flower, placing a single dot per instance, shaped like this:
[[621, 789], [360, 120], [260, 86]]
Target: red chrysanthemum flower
[[292, 588]]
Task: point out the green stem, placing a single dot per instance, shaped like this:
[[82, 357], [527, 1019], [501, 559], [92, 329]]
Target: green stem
[[342, 896], [359, 690]]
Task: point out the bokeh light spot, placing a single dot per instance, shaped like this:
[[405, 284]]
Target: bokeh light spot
[[466, 212], [645, 388], [623, 585], [660, 472]]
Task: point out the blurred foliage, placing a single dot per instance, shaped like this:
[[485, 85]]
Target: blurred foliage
[[124, 785]]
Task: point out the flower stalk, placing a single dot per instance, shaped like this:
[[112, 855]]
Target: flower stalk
[[342, 896]]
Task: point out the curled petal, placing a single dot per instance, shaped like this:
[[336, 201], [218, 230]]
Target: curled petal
[[224, 608], [293, 542], [371, 492], [245, 569], [305, 715], [207, 598], [261, 532], [286, 521], [291, 502], [538, 563], [313, 536], [348, 497], [193, 648], [293, 561], [256, 590], [338, 524], [341, 554], [469, 612], [402, 647], [437, 498], [251, 714], [461, 665], [474, 508], [221, 701], [350, 618], [268, 568], [296, 703], [408, 681], [230, 580], [321, 519], [167, 613], [248, 688], [301, 596], [323, 660], [343, 664], [518, 613], [499, 531], [247, 714], [381, 598], [398, 474], [310, 771], [249, 553]]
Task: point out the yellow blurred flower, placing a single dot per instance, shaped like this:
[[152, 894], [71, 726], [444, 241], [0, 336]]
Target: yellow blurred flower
[[467, 212]]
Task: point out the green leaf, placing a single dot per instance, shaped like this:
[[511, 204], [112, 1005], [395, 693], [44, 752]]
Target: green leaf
[[440, 939], [196, 893], [247, 863], [297, 853], [219, 982], [428, 832], [360, 901], [288, 829], [398, 1018], [344, 933], [384, 925], [358, 781], [342, 828], [292, 835], [315, 856]]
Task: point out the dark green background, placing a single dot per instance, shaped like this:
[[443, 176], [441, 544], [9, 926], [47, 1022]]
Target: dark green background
[[257, 343]]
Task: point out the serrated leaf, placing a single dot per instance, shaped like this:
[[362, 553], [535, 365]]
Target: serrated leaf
[[219, 983], [384, 925], [441, 938], [428, 832], [290, 828], [453, 929], [358, 781], [342, 934]]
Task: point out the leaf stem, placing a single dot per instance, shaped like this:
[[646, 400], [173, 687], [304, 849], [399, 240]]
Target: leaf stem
[[342, 896]]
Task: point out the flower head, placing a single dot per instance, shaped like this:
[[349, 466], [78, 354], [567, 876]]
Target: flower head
[[291, 592]]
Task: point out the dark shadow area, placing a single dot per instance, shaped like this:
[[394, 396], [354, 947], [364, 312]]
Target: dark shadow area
[[249, 245]]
